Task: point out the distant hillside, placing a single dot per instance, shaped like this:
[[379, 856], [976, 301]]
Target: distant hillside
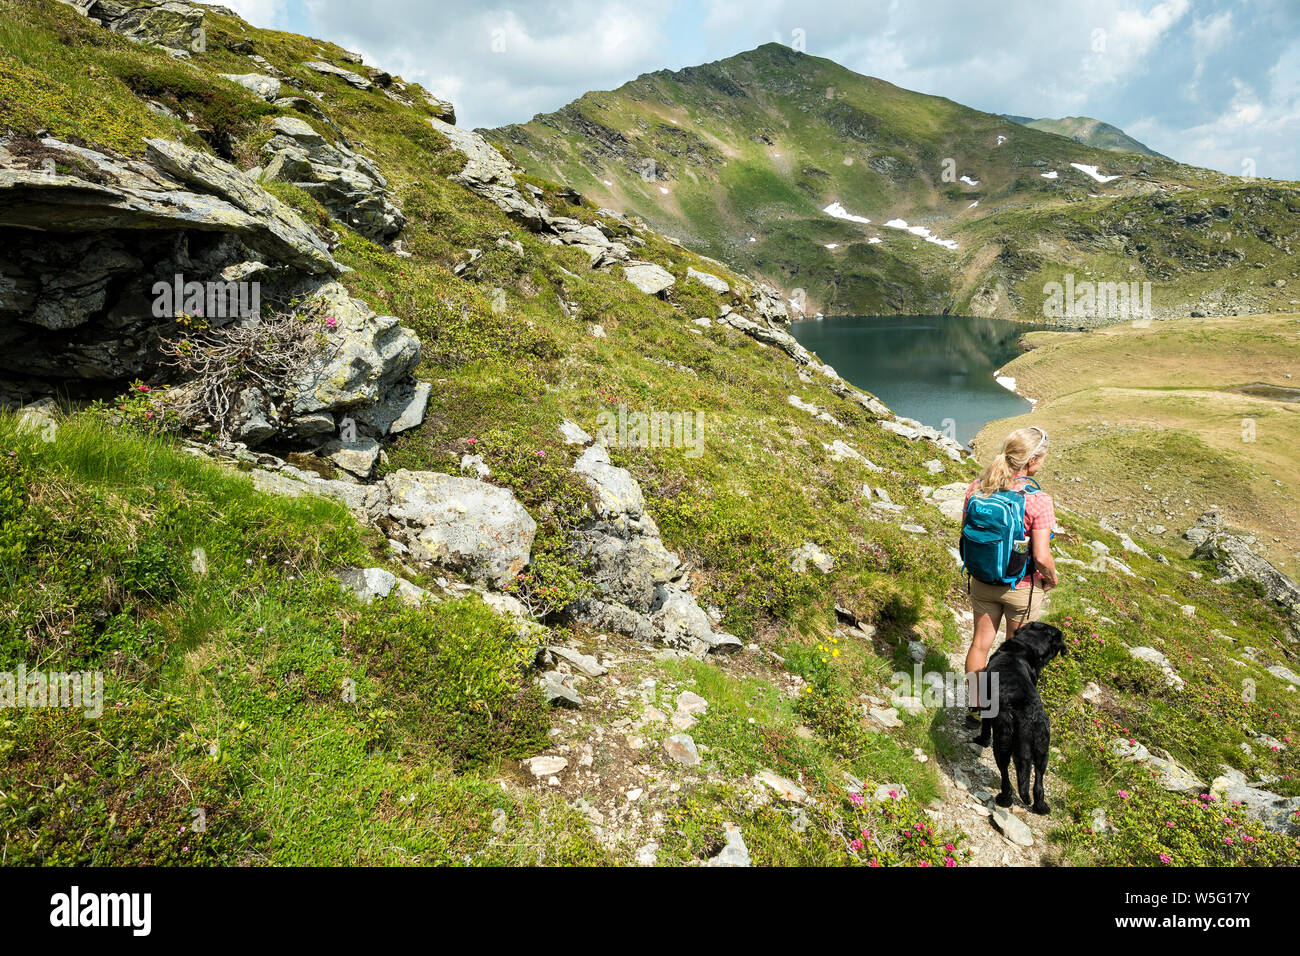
[[876, 199], [1090, 132]]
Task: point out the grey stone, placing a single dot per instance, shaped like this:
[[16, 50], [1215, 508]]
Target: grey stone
[[487, 173], [689, 702], [347, 76], [367, 584], [617, 493], [167, 23], [883, 792], [545, 766], [734, 853], [1012, 827], [1284, 673], [809, 553], [558, 691], [267, 87], [399, 409], [584, 664], [366, 358], [786, 789], [463, 524], [681, 749], [347, 184], [648, 277], [355, 457], [1275, 812], [573, 435], [253, 417], [1235, 558], [708, 280]]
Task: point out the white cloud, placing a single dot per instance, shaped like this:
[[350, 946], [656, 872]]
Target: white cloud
[[1120, 45], [499, 62], [260, 13]]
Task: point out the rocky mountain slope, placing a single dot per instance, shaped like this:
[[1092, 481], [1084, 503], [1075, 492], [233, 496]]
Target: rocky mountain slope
[[1089, 131], [872, 199], [423, 560]]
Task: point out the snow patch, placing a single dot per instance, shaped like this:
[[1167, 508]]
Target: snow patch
[[1092, 171], [1009, 383], [974, 204], [921, 231], [1001, 140], [664, 190], [970, 182], [607, 182], [832, 245], [837, 210], [1052, 175], [873, 240]]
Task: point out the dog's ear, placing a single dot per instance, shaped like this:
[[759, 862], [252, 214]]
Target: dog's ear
[[1057, 640], [1044, 640]]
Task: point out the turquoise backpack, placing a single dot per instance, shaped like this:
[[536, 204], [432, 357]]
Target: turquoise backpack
[[990, 527]]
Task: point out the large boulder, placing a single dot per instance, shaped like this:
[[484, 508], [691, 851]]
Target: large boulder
[[769, 335], [641, 590], [627, 568], [617, 493], [259, 84], [461, 524], [366, 358], [682, 622], [648, 277], [708, 280], [86, 247], [178, 188]]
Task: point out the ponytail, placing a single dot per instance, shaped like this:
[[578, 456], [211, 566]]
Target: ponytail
[[1020, 448]]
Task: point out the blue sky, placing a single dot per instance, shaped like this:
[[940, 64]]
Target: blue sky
[[1210, 82]]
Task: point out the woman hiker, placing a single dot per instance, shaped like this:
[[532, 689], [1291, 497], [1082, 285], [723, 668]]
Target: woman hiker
[[1023, 453]]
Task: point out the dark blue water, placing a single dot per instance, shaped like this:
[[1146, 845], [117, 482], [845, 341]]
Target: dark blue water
[[929, 367]]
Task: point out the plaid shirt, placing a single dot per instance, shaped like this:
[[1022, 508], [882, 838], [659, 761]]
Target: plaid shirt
[[1040, 514]]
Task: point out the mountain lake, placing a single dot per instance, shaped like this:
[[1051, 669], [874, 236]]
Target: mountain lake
[[937, 369]]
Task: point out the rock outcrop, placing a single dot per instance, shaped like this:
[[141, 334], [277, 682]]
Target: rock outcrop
[[347, 184], [167, 23], [642, 590], [85, 238], [347, 76], [1234, 556], [490, 175]]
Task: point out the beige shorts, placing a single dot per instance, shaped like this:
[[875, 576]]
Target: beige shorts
[[999, 601]]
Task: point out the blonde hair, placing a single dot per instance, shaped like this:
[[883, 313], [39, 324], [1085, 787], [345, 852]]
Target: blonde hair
[[1018, 449]]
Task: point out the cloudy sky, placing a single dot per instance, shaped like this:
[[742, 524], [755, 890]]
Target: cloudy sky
[[1210, 82]]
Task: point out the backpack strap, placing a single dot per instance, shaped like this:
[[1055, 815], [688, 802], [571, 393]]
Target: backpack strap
[[1028, 481]]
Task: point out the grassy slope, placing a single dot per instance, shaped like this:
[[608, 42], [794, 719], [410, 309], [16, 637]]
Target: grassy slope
[[758, 144], [1160, 445], [228, 680]]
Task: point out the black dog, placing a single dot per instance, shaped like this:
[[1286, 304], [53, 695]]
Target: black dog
[[1020, 728]]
